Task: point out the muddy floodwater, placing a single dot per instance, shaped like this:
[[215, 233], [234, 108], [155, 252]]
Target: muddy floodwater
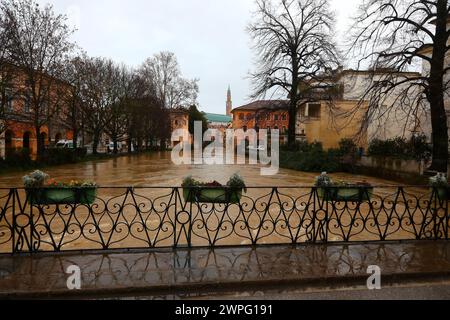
[[157, 169]]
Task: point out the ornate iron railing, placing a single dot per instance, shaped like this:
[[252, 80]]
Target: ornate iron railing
[[128, 218]]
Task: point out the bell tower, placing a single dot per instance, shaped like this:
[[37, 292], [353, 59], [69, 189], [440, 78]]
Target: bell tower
[[229, 102]]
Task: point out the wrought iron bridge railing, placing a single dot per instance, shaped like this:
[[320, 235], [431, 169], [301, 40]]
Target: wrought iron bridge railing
[[167, 217]]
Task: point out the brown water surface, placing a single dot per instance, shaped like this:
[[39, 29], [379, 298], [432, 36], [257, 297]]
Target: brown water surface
[[157, 169]]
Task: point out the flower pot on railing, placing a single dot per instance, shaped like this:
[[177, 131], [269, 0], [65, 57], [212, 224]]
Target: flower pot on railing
[[440, 187], [342, 194], [442, 193], [62, 196], [212, 195]]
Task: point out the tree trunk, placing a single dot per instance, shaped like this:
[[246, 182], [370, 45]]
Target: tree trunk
[[292, 124], [116, 149], [95, 144], [435, 93], [39, 146], [75, 137], [74, 126], [129, 142]]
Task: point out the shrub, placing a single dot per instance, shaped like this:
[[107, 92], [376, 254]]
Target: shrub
[[312, 158], [348, 147], [302, 146], [420, 148], [440, 180], [237, 182], [416, 148], [61, 156], [313, 161], [19, 158]]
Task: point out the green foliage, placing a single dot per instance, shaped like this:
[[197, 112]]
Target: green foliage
[[36, 179], [303, 146], [190, 182], [416, 148], [310, 157], [420, 148], [348, 147], [62, 156], [19, 158], [196, 115], [237, 182], [323, 181], [440, 180]]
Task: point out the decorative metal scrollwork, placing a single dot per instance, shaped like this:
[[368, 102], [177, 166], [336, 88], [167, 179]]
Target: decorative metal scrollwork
[[160, 218]]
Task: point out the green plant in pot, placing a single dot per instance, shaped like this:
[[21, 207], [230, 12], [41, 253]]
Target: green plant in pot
[[440, 186], [44, 191], [214, 192], [329, 190]]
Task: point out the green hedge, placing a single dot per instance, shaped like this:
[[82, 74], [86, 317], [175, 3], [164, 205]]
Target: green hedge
[[18, 157], [310, 157], [55, 156], [416, 148]]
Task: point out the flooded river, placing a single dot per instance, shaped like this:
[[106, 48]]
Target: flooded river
[[157, 169]]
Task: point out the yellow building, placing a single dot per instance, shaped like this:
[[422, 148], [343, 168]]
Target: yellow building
[[329, 124], [340, 112]]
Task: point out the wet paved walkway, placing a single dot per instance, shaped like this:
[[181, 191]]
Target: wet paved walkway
[[199, 271]]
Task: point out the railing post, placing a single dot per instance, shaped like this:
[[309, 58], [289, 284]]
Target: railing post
[[12, 193], [175, 220], [190, 225], [447, 220], [327, 222], [313, 218]]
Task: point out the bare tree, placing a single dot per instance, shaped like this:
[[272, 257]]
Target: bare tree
[[394, 35], [162, 71], [146, 118], [71, 114], [5, 70], [9, 90], [294, 45], [120, 83], [99, 96], [39, 45]]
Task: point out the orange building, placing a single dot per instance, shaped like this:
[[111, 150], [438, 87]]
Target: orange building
[[179, 119], [265, 114], [18, 116]]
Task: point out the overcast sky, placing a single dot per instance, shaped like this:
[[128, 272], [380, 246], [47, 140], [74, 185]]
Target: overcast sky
[[207, 36]]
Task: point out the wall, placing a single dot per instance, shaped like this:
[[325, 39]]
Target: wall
[[263, 122], [18, 130], [20, 120], [330, 128], [406, 171], [179, 121], [392, 118], [408, 166]]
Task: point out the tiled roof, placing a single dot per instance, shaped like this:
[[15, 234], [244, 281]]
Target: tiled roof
[[220, 118], [265, 104]]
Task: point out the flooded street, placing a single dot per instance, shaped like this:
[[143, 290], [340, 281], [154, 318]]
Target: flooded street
[[157, 169]]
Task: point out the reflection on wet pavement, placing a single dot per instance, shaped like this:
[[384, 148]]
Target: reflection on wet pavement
[[201, 271]]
